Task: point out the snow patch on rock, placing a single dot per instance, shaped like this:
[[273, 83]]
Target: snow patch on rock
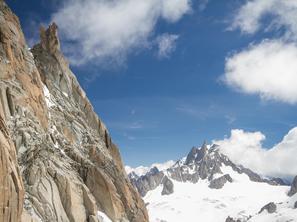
[[102, 217], [47, 95]]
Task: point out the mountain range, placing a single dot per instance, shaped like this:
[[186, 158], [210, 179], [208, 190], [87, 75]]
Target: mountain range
[[207, 186]]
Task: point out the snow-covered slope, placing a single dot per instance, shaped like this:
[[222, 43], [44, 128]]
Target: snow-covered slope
[[282, 211], [191, 202], [285, 211], [207, 186]]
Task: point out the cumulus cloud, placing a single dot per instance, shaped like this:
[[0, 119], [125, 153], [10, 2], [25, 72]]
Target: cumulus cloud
[[246, 148], [267, 68], [166, 44], [103, 29], [142, 170], [249, 17]]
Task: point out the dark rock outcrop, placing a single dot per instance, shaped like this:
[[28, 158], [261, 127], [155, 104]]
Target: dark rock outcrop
[[293, 189], [230, 219], [220, 182], [192, 155], [168, 187], [279, 181], [70, 167], [148, 181], [295, 205], [270, 208], [196, 154]]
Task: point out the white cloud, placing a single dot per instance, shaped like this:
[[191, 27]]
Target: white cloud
[[249, 15], [103, 29], [269, 67], [173, 10], [142, 170], [246, 148], [282, 14], [166, 44]]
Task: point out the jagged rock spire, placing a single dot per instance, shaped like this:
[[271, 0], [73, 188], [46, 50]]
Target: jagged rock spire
[[49, 39], [191, 156], [196, 154], [204, 145]]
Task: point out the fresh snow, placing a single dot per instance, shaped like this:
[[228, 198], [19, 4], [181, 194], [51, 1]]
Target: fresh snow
[[102, 217], [142, 170], [197, 202], [285, 212], [47, 96]]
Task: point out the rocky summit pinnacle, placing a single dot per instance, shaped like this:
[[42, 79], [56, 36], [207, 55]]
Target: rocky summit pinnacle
[[58, 161], [196, 154], [49, 39]]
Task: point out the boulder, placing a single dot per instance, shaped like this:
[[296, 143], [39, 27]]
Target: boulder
[[220, 182], [230, 219], [270, 208]]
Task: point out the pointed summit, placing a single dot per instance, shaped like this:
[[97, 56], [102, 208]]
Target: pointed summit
[[192, 155], [204, 145], [196, 154], [49, 39], [201, 152]]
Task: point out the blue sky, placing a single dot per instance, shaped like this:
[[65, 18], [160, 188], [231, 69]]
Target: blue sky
[[157, 107]]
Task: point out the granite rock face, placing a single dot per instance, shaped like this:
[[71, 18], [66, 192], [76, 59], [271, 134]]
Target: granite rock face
[[12, 53], [293, 189], [11, 186], [70, 167]]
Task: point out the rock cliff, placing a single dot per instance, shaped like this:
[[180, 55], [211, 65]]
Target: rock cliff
[[58, 162]]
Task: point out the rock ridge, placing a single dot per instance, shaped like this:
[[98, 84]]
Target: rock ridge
[[201, 163], [60, 158]]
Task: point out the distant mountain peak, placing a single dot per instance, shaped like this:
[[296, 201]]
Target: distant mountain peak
[[196, 154], [201, 163], [207, 180]]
